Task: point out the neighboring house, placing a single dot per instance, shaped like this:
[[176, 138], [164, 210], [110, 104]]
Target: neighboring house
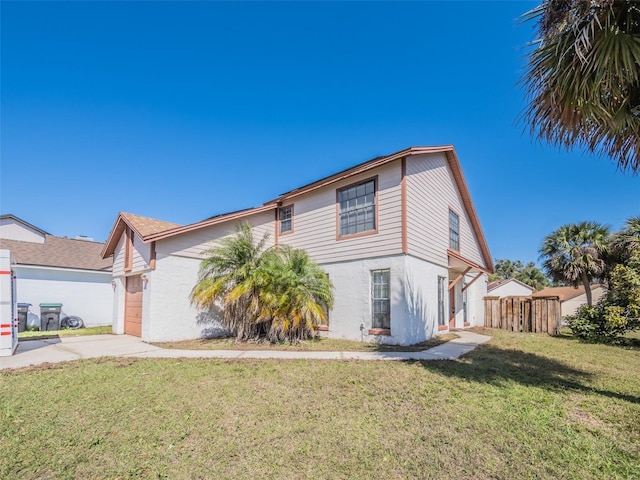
[[509, 287], [398, 236], [52, 269], [571, 297]]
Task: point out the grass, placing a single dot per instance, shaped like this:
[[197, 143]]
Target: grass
[[523, 406], [319, 344], [36, 334]]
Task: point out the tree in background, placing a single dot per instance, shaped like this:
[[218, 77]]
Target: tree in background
[[574, 254], [583, 78], [528, 274]]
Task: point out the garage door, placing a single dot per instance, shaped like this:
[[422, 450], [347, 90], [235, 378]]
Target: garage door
[[133, 307]]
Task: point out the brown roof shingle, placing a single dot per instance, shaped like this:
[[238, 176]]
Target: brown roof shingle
[[565, 293], [59, 252], [147, 226]]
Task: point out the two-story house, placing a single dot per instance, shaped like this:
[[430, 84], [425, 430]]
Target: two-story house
[[398, 236]]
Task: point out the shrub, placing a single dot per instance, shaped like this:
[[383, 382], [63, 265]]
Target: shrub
[[600, 322]]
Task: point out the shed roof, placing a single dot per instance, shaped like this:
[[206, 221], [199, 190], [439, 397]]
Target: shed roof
[[58, 252], [565, 293]]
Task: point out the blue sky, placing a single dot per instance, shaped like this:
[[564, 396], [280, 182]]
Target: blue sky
[[183, 110]]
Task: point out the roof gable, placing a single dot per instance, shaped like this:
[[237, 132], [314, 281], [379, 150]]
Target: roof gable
[[448, 150], [142, 226], [504, 281]]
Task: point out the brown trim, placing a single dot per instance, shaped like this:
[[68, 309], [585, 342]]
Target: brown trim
[[463, 189], [128, 249], [443, 327], [152, 256], [379, 331], [457, 256], [362, 234], [281, 233], [322, 328], [471, 282], [208, 223], [458, 278], [403, 204], [363, 167]]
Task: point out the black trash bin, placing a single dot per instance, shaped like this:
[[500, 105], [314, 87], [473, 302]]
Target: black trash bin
[[50, 316], [23, 314]]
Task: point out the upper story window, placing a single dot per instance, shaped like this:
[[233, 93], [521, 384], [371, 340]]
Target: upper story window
[[454, 231], [286, 219], [357, 208]]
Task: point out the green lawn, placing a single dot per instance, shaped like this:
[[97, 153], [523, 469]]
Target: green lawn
[[523, 406], [317, 345], [36, 334]]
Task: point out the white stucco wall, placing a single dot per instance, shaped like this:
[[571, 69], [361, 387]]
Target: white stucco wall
[[83, 293], [166, 301], [422, 300], [351, 315], [570, 307]]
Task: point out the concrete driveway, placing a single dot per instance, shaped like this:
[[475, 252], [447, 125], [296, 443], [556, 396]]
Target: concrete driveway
[[36, 352]]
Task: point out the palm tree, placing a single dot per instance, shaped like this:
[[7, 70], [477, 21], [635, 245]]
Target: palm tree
[[583, 78], [227, 280], [627, 241], [573, 254], [276, 293], [296, 295], [531, 275]]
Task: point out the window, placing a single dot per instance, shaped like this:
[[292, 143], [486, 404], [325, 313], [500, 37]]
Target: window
[[357, 208], [454, 231], [441, 284], [286, 219], [380, 297]]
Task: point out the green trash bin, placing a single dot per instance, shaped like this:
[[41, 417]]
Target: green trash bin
[[50, 316]]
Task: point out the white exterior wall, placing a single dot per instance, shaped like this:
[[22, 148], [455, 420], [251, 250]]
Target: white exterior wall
[[570, 307], [431, 191], [475, 300], [315, 220], [8, 306], [351, 315], [166, 301], [422, 299], [83, 293], [511, 289], [12, 230]]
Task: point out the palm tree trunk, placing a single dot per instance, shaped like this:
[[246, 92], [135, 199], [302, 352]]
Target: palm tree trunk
[[587, 289]]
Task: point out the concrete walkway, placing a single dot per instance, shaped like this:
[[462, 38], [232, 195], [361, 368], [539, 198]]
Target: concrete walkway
[[36, 352]]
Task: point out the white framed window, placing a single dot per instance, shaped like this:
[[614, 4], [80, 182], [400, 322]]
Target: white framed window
[[454, 231], [285, 215], [357, 208], [381, 299]]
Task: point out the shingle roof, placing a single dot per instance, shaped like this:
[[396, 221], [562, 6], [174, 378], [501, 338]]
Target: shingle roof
[[147, 226], [565, 293], [58, 252]]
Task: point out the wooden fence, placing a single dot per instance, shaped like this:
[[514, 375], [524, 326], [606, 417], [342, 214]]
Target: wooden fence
[[523, 314]]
